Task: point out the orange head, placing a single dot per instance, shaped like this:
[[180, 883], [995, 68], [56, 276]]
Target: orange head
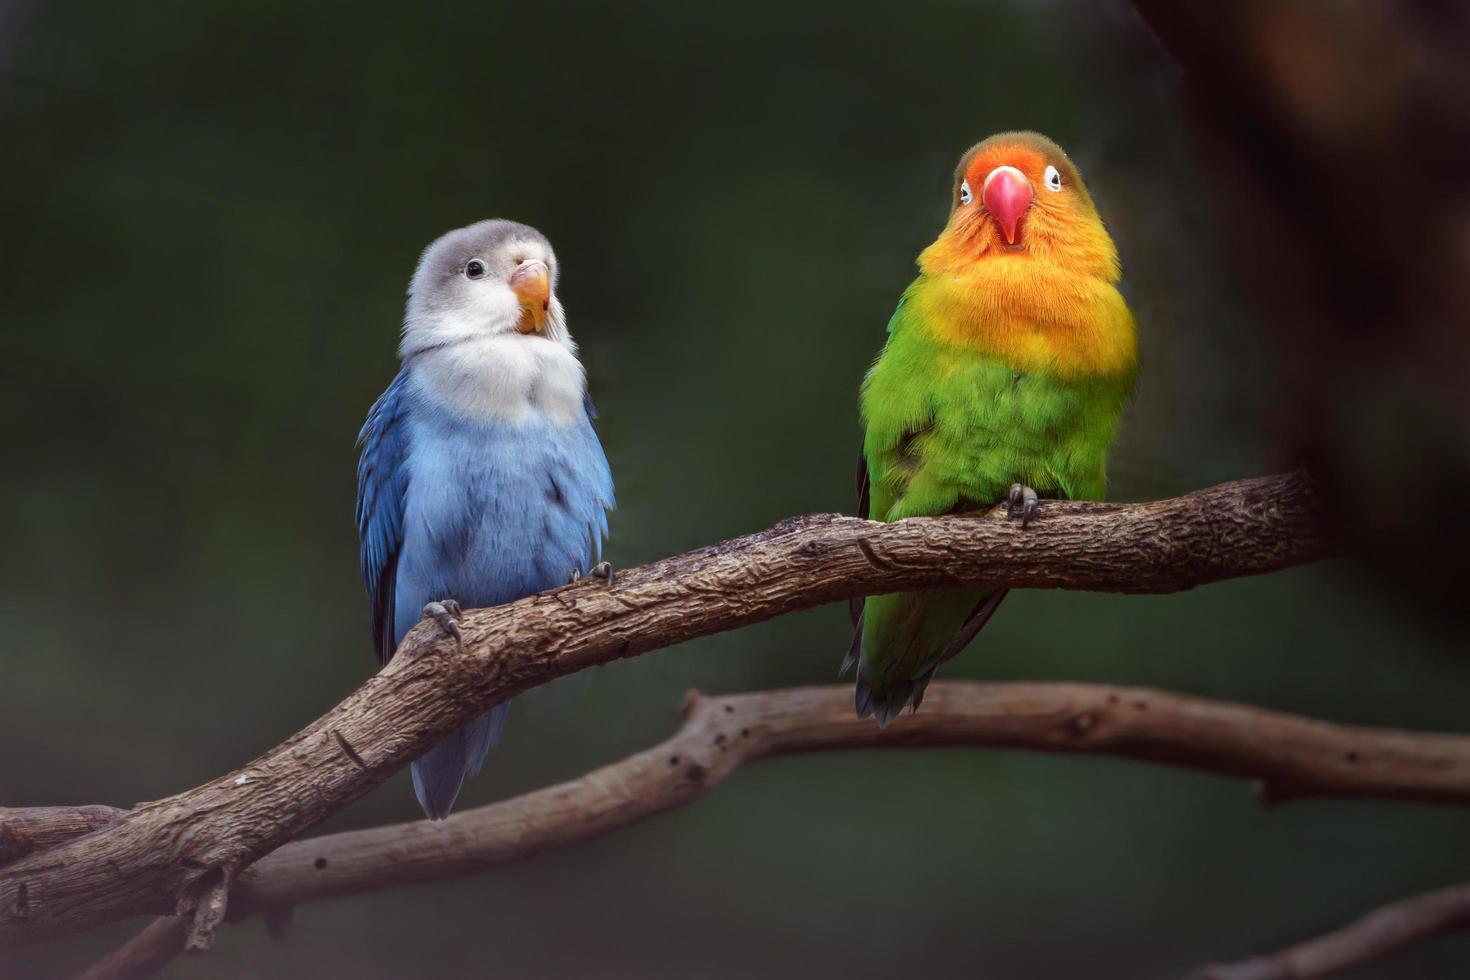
[[1018, 198]]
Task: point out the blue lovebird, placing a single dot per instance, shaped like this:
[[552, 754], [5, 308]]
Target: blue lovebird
[[481, 479]]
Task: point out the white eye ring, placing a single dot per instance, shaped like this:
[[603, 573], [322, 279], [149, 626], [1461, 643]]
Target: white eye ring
[[965, 195], [1052, 179]]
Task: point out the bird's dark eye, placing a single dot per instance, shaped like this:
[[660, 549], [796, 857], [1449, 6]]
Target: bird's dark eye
[[474, 269]]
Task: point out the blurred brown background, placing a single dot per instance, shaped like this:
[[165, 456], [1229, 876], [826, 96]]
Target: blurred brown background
[[207, 219]]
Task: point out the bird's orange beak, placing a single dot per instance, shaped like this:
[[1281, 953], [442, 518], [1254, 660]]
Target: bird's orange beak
[[1007, 195], [531, 282]]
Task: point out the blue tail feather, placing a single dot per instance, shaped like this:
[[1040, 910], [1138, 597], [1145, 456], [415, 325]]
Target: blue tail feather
[[439, 773]]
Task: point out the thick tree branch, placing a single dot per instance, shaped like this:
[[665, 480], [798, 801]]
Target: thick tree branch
[[163, 856], [1297, 757], [1378, 934]]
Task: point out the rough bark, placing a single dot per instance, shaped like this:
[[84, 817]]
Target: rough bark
[[35, 828], [179, 854]]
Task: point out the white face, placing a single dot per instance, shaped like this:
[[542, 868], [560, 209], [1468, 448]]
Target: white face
[[471, 284]]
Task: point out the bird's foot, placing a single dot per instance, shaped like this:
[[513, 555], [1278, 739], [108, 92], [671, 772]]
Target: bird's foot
[[1022, 503], [447, 614], [602, 570]]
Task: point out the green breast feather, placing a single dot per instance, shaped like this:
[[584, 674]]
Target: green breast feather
[[950, 429]]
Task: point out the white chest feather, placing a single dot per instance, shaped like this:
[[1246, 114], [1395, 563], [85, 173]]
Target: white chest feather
[[505, 378]]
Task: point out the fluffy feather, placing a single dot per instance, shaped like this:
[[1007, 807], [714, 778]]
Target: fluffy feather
[[481, 478], [1005, 363]]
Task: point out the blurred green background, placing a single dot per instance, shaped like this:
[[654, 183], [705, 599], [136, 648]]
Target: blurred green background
[[207, 221]]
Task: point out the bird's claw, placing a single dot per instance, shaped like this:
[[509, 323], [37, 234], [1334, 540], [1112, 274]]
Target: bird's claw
[[447, 614], [602, 570], [1023, 503]]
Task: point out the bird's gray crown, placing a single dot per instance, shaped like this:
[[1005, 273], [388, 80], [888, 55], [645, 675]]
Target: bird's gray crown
[[500, 242]]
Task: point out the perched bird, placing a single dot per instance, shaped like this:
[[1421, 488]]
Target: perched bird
[[1003, 379], [481, 479]]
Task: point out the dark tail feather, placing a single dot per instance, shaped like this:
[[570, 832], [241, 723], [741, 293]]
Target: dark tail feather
[[439, 773], [853, 651], [863, 698], [887, 706], [978, 617], [892, 703], [882, 711], [889, 710]]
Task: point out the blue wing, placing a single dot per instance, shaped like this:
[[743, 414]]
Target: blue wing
[[382, 481]]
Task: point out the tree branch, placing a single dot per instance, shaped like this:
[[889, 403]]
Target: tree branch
[[35, 828], [143, 955], [162, 855], [1298, 757], [1374, 936]]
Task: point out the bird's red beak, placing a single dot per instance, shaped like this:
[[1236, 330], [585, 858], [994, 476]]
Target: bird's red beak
[[1006, 195]]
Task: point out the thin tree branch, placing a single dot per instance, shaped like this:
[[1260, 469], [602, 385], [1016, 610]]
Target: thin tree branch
[[151, 949], [1300, 757], [1378, 934], [145, 954], [159, 857]]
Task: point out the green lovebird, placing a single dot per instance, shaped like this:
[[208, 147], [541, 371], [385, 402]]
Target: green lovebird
[[1004, 377]]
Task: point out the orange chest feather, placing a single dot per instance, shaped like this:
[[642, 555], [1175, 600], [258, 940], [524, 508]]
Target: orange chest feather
[[1028, 313]]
